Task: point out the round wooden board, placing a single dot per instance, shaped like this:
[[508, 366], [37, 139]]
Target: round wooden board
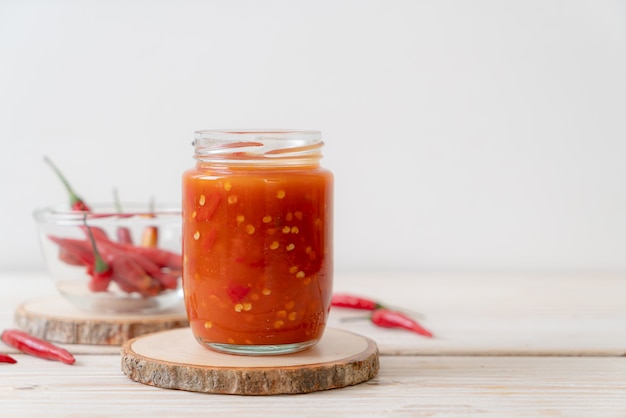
[[175, 360], [55, 319]]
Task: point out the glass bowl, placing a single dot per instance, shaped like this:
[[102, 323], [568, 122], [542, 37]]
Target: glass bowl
[[136, 268]]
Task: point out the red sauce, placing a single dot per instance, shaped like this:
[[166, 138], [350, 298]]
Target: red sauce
[[257, 247]]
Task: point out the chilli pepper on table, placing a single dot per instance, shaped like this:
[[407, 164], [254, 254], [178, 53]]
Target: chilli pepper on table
[[387, 318], [5, 358], [345, 300], [351, 301], [381, 316], [37, 347]]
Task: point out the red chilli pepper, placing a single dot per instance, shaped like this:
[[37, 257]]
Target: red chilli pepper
[[37, 347], [150, 237], [135, 267], [162, 265], [344, 300], [100, 272], [76, 202], [122, 268], [386, 318], [75, 252], [123, 233], [162, 258], [5, 358], [124, 236], [131, 277]]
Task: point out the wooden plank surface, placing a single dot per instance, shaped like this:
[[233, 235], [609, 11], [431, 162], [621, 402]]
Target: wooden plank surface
[[568, 332], [498, 314], [470, 315], [406, 386]]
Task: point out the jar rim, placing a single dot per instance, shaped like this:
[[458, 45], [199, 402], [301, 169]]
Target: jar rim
[[60, 213], [259, 131], [258, 145]]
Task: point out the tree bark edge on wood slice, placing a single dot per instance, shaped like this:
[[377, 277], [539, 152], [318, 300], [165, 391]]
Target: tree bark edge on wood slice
[[207, 376], [52, 320]]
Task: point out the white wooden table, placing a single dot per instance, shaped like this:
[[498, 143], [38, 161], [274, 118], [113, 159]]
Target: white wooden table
[[505, 346]]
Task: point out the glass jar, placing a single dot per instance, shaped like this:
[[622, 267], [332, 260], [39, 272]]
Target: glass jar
[[257, 241]]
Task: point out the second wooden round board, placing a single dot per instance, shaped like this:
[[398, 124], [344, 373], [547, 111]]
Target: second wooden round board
[[173, 359], [55, 319]]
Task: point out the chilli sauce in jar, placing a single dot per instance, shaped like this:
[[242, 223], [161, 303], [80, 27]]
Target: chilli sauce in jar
[[257, 241]]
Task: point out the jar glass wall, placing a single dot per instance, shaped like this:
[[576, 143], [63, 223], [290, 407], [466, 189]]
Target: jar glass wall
[[257, 241]]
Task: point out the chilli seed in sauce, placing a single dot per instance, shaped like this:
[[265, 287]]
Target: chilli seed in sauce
[[258, 254]]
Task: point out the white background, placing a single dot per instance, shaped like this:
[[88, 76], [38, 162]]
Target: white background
[[475, 136]]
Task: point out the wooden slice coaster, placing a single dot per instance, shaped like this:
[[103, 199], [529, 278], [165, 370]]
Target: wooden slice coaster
[[55, 319], [175, 360]]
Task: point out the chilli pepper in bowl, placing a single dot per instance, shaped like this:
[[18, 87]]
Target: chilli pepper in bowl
[[76, 202], [145, 269]]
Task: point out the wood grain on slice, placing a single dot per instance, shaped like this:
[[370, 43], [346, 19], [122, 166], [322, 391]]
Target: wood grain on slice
[[175, 360], [55, 319]]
